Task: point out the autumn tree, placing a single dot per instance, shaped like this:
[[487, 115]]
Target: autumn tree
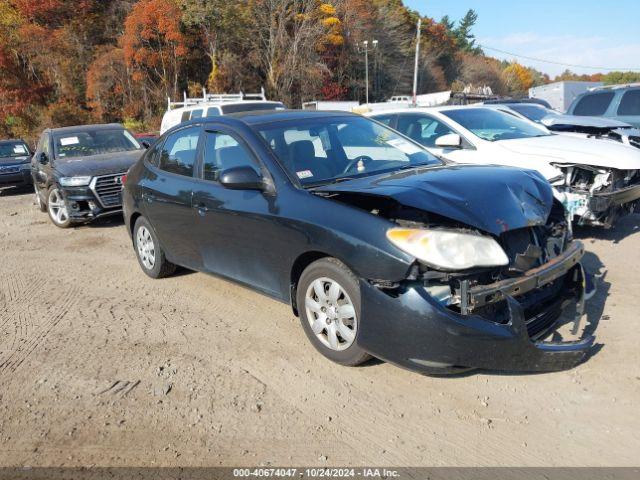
[[289, 36], [479, 70], [517, 78], [614, 78], [222, 26], [154, 47], [111, 93]]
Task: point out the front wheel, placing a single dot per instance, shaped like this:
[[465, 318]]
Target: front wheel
[[150, 255], [328, 297], [58, 209]]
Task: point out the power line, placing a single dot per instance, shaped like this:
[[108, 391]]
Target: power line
[[484, 47]]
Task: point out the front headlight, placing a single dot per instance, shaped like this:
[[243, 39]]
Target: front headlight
[[75, 181], [448, 250]]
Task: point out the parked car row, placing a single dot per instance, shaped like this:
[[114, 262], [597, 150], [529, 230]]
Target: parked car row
[[437, 239], [596, 181]]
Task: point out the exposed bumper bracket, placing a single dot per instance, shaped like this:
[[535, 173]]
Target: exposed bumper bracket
[[478, 296]]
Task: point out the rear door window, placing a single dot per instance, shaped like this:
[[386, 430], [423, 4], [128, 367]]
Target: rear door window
[[196, 114], [594, 104], [178, 154], [630, 103], [422, 129], [213, 112]]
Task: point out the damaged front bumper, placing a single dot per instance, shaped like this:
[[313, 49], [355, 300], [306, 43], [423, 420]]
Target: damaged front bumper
[[84, 205], [598, 203], [618, 197], [408, 327]]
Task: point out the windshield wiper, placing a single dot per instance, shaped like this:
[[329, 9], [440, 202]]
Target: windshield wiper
[[329, 182]]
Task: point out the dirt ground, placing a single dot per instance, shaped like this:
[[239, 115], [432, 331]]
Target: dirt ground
[[100, 365]]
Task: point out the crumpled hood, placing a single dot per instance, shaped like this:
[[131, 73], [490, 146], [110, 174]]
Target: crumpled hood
[[490, 198], [14, 160], [575, 150], [595, 122], [98, 164]]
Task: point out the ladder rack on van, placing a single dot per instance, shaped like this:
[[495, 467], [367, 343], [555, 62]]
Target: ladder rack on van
[[215, 98]]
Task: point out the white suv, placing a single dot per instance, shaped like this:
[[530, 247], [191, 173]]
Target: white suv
[[213, 105]]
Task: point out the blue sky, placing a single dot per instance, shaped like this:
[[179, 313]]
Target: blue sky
[[580, 32]]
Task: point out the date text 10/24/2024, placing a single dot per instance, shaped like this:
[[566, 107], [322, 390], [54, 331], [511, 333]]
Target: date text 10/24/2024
[[316, 472]]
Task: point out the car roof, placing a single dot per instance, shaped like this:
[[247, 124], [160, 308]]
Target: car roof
[[257, 117], [10, 140], [85, 128], [262, 116]]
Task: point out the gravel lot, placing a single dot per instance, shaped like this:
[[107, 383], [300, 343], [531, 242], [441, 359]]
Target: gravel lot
[[100, 365]]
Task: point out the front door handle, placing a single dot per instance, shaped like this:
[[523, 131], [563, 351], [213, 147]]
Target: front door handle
[[147, 197]]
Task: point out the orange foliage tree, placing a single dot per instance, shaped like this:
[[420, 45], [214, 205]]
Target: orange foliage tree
[[517, 79], [154, 47]]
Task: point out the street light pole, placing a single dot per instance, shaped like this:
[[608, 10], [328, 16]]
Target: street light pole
[[366, 69], [374, 45], [415, 67]]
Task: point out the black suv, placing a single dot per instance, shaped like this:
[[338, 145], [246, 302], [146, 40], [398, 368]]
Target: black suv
[[14, 163], [77, 171]]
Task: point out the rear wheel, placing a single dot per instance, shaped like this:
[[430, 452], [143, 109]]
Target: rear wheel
[[58, 209], [328, 299], [150, 255]]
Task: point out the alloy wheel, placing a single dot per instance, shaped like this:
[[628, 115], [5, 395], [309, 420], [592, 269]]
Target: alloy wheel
[[58, 207], [146, 248], [331, 314]]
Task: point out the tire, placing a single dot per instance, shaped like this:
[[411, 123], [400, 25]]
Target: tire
[[57, 208], [328, 297], [149, 253], [41, 205]]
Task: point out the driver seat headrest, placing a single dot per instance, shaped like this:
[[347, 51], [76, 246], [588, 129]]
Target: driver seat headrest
[[302, 151]]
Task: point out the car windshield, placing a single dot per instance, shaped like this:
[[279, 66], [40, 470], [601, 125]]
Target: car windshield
[[84, 143], [331, 149], [493, 125], [534, 113], [13, 149]]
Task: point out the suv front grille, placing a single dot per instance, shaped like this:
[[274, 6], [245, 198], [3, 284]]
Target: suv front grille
[[108, 189]]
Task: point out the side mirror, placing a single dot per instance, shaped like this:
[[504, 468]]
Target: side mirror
[[145, 144], [43, 159], [241, 178], [450, 140]]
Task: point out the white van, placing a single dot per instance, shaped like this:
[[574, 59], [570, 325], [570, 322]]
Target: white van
[[213, 105]]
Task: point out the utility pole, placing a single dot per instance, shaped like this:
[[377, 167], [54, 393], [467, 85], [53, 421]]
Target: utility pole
[[415, 67], [365, 44]]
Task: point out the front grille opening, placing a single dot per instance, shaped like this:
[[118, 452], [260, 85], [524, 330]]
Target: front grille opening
[[108, 190], [542, 307]]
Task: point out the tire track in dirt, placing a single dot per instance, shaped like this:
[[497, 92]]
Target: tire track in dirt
[[17, 294], [33, 317]]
